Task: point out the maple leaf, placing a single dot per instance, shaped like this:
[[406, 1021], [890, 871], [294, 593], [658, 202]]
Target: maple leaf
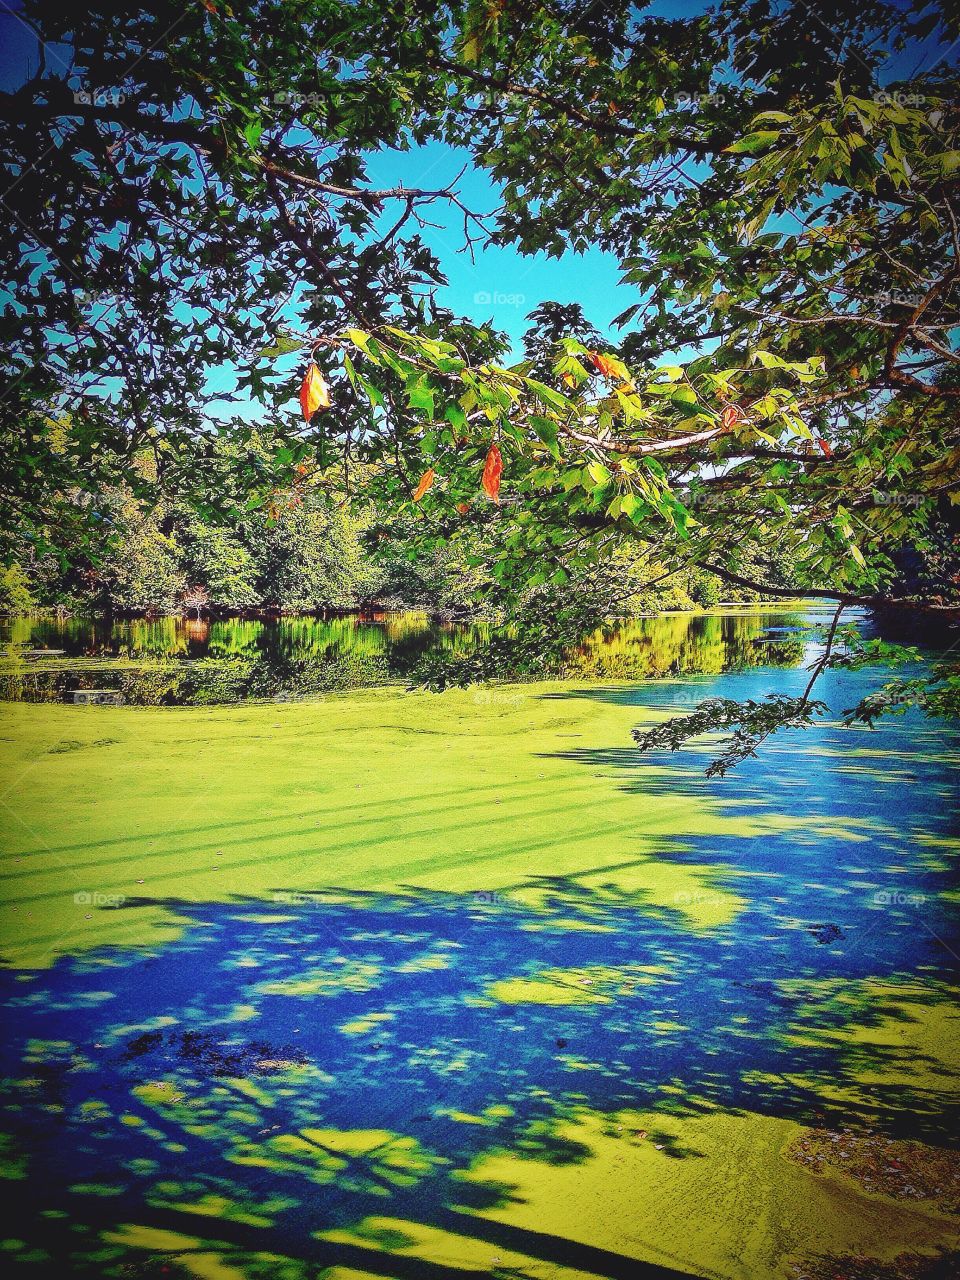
[[602, 364]]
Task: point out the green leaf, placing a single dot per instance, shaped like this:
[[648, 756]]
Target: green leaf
[[599, 474], [282, 345], [769, 360], [630, 505], [547, 394], [456, 417], [372, 393], [946, 163], [683, 396], [420, 395], [546, 432], [362, 340], [754, 143]]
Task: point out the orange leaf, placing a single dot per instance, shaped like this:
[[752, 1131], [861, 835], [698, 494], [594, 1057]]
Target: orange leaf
[[492, 471], [730, 416], [825, 448], [426, 480], [463, 507], [568, 378], [602, 364], [314, 392]]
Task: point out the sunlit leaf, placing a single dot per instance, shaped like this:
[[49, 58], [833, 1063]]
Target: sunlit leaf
[[314, 392]]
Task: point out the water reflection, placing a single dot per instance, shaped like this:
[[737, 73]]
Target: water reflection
[[172, 661]]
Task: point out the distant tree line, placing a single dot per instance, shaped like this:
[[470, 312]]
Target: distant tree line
[[307, 553]]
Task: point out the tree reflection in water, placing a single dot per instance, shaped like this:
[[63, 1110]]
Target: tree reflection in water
[[190, 661]]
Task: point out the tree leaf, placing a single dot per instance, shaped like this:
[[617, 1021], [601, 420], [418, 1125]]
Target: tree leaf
[[314, 392], [754, 143], [492, 471], [426, 481]]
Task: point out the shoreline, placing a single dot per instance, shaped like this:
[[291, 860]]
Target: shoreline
[[373, 611]]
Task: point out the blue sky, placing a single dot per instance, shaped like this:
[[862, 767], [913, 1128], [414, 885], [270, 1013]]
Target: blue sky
[[500, 285]]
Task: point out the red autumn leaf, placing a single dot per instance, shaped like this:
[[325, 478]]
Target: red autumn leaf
[[314, 392], [825, 448], [730, 416], [209, 6], [602, 364], [492, 471], [426, 480], [463, 507]]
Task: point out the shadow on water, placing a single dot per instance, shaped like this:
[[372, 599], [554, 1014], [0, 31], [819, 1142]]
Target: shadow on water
[[347, 1056], [863, 824]]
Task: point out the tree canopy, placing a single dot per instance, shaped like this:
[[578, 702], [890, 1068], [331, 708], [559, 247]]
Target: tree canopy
[[188, 189]]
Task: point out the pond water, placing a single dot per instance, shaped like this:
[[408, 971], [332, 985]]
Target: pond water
[[178, 661], [415, 985]]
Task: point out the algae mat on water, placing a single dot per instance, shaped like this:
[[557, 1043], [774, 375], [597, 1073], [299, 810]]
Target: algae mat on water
[[111, 816], [417, 986]]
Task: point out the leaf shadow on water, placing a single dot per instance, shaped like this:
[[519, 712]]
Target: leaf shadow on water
[[303, 1066]]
